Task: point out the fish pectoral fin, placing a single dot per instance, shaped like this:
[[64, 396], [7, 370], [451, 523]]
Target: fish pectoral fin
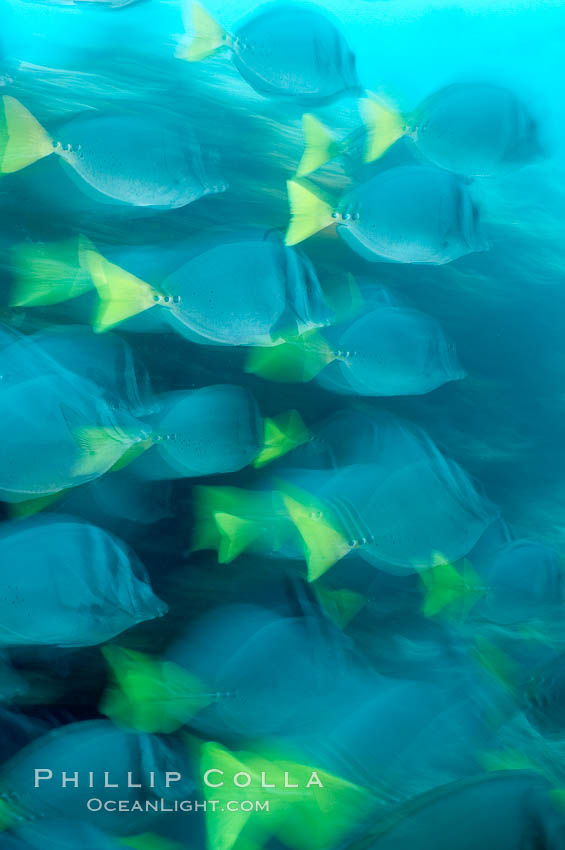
[[22, 138], [319, 145], [207, 36], [308, 213], [384, 126]]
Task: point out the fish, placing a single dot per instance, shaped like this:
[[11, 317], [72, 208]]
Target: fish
[[525, 583], [399, 514], [91, 586], [284, 50], [407, 214], [74, 351], [405, 737], [474, 129], [515, 806], [95, 746], [61, 433], [227, 291], [271, 674], [123, 159], [386, 351], [216, 429]]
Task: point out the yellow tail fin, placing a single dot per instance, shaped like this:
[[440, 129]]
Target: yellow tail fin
[[47, 274], [208, 36], [282, 434], [122, 295], [297, 360], [340, 605], [308, 212], [449, 591], [236, 533], [319, 145], [324, 545], [148, 694], [22, 139], [384, 127], [29, 507], [100, 450]]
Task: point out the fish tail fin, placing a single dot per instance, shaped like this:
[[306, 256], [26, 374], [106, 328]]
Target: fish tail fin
[[122, 295], [22, 138], [319, 145], [384, 127], [47, 274], [223, 522], [30, 507], [324, 544], [236, 534], [297, 360], [149, 694], [282, 434], [308, 213], [341, 606], [100, 450], [448, 590], [207, 36]]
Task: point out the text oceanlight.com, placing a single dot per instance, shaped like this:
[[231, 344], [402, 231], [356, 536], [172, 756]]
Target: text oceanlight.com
[[95, 804]]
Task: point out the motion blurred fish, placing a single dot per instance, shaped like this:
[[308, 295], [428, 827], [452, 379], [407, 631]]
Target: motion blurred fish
[[96, 746], [517, 584], [475, 129], [229, 292], [106, 362], [387, 351], [284, 50], [119, 158], [90, 585], [58, 432], [515, 806], [400, 514], [272, 674], [409, 214], [214, 430]]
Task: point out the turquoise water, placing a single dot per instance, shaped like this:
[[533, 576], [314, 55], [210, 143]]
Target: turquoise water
[[282, 474]]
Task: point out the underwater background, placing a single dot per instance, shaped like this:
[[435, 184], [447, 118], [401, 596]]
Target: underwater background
[[282, 390]]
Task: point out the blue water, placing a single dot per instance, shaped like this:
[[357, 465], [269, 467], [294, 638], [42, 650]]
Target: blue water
[[384, 601]]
